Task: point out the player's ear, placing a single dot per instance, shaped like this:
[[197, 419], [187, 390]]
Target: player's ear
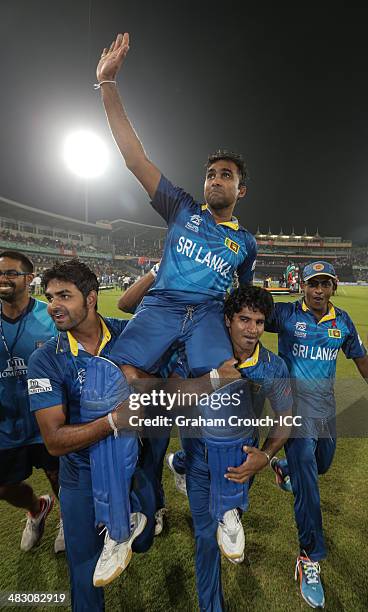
[[91, 300], [242, 192], [227, 321]]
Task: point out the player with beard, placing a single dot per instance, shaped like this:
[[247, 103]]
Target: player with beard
[[24, 326], [205, 245], [55, 380]]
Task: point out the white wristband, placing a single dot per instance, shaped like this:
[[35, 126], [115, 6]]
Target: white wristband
[[215, 379], [112, 425], [267, 455], [155, 269], [98, 85]]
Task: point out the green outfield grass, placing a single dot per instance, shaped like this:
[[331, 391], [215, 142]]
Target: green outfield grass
[[164, 579]]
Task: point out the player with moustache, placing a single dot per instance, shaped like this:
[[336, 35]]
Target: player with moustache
[[55, 382], [24, 326]]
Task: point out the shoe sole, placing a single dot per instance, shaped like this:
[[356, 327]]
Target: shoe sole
[[101, 582], [227, 555]]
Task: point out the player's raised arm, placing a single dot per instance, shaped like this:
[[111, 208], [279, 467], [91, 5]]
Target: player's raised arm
[[125, 137]]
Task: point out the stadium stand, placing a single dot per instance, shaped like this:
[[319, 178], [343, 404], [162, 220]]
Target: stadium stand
[[120, 247]]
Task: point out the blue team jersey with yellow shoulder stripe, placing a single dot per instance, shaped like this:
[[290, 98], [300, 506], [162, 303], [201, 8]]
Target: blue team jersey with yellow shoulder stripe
[[200, 255], [310, 349], [23, 336], [56, 374], [270, 378]]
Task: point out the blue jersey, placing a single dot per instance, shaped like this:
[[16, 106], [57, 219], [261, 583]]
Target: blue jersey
[[55, 377], [268, 373], [270, 378], [200, 255], [23, 335], [310, 348]]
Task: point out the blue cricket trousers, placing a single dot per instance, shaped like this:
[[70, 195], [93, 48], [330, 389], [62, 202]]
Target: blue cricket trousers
[[83, 543], [308, 457], [159, 322]]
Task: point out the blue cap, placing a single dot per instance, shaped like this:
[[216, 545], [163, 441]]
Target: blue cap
[[318, 268]]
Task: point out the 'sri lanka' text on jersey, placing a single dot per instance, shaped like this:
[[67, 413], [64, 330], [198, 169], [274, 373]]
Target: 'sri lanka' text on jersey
[[200, 255], [310, 349]]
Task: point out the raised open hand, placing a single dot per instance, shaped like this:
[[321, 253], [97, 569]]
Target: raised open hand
[[112, 58]]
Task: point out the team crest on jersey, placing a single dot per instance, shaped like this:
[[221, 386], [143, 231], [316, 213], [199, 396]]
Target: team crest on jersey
[[39, 343], [232, 245], [194, 223], [334, 333]]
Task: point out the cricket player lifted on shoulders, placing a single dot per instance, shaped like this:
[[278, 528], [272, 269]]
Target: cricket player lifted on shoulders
[[205, 245]]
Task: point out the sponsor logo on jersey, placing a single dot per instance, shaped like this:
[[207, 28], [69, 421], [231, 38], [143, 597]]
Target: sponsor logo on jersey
[[300, 329], [196, 252], [39, 385], [194, 223], [232, 245], [14, 367], [334, 333]]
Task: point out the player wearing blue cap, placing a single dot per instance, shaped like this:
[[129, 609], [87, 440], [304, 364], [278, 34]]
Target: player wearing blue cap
[[310, 334], [24, 325], [205, 245], [56, 376]]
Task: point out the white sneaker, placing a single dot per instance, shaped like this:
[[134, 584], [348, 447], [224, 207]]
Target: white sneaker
[[180, 480], [115, 556], [35, 525], [159, 518], [230, 535], [59, 544]]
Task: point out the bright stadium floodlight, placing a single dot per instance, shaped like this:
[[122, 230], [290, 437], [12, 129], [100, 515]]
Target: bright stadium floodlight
[[85, 154]]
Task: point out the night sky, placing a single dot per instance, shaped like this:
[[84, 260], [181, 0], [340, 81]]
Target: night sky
[[283, 83]]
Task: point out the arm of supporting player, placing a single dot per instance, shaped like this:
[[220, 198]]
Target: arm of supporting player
[[362, 365], [258, 459], [125, 137], [61, 439], [135, 294]]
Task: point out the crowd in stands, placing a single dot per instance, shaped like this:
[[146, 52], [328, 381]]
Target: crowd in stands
[[141, 250], [46, 241], [114, 269]]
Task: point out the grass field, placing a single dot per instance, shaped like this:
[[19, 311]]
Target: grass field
[[164, 579]]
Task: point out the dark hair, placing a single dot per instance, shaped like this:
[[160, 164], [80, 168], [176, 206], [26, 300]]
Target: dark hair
[[72, 271], [251, 297], [230, 156], [27, 264]]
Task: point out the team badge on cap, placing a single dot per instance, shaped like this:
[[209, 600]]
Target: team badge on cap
[[317, 268]]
